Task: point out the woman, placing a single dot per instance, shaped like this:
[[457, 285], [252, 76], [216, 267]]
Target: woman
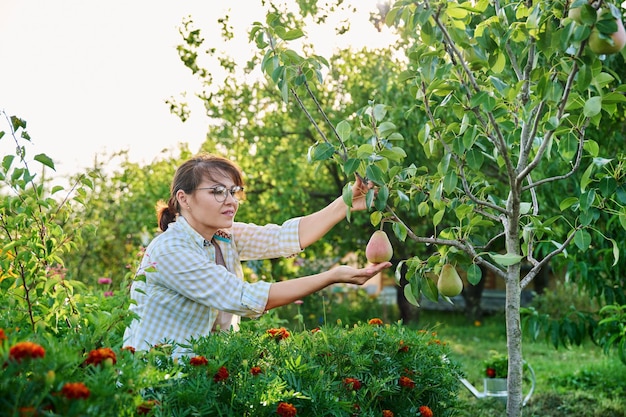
[[193, 276]]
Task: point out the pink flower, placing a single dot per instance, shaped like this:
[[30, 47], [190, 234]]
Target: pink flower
[[108, 293], [104, 281], [298, 302]]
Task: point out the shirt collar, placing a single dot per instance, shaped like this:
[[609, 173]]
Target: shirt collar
[[197, 237]]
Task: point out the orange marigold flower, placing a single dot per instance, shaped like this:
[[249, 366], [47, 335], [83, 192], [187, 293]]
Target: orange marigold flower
[[286, 410], [75, 390], [255, 370], [147, 406], [198, 361], [406, 382], [27, 411], [425, 411], [387, 413], [278, 334], [317, 329], [403, 347], [375, 322], [3, 335], [23, 350], [130, 349], [100, 355], [352, 383], [221, 374]]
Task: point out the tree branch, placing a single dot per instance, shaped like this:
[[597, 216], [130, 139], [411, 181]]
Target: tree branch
[[466, 187], [560, 112], [538, 265], [577, 160]]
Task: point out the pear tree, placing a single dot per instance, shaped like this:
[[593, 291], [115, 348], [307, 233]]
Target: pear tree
[[509, 90]]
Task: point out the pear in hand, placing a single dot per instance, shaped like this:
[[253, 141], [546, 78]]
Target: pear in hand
[[449, 283], [378, 248]]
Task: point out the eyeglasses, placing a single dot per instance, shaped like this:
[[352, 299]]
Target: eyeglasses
[[221, 193]]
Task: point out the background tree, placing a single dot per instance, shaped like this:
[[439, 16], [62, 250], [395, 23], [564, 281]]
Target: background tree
[[118, 215]]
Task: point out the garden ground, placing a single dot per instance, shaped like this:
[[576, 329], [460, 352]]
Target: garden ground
[[579, 381]]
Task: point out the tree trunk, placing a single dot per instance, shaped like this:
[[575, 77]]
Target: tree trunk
[[514, 342]]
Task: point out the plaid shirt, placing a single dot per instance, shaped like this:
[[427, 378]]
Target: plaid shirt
[[187, 295]]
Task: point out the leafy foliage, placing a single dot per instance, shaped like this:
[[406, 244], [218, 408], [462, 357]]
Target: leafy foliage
[[330, 371], [34, 222]]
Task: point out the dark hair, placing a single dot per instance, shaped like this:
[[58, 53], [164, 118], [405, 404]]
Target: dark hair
[[187, 178]]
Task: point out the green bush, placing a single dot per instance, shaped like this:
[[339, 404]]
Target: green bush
[[563, 298], [332, 371]]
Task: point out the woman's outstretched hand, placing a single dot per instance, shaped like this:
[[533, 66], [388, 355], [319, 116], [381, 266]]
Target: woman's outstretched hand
[[349, 275]]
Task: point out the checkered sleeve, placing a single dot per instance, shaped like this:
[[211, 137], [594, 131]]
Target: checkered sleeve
[[268, 241]]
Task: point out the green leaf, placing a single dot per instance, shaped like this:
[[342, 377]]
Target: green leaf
[[44, 159], [438, 217], [582, 239], [615, 252], [351, 166], [429, 289], [369, 197], [292, 34], [323, 151], [586, 178], [375, 218], [423, 209], [381, 198], [499, 63], [17, 123], [7, 161], [347, 195], [379, 111], [607, 187], [568, 146], [408, 294], [474, 274], [397, 275], [586, 200], [450, 181], [343, 130], [375, 174], [593, 106], [474, 159], [400, 231], [506, 259], [567, 203]]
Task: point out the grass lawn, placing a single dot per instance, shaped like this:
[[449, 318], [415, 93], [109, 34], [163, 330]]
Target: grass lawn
[[580, 381]]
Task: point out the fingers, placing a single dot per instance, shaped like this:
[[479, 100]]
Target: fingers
[[374, 269]]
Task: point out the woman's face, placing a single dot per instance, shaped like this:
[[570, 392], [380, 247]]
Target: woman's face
[[209, 208]]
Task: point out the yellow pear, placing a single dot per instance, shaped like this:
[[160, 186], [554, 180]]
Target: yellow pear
[[449, 283], [378, 248]]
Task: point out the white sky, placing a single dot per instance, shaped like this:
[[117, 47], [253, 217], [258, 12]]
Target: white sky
[[91, 77]]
